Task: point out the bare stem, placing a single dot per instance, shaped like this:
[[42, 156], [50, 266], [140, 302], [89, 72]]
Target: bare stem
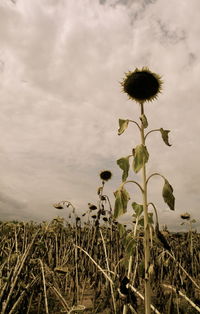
[[146, 230], [44, 287], [155, 130], [136, 124], [154, 174], [135, 182]]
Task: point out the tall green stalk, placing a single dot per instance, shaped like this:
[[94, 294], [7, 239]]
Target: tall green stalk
[[146, 227], [141, 85]]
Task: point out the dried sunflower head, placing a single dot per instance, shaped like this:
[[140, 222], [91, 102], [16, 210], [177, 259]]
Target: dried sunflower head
[[185, 216], [142, 85], [92, 206], [58, 206], [105, 175]]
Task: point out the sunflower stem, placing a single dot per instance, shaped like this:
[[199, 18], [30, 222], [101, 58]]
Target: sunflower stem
[[155, 130], [146, 228]]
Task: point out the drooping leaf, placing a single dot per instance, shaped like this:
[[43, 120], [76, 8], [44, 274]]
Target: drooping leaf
[[165, 136], [144, 121], [121, 200], [99, 191], [123, 163], [137, 208], [140, 158], [160, 236], [168, 196], [123, 124]]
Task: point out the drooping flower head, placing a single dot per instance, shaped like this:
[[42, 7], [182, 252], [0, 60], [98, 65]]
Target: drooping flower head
[[58, 206], [105, 175], [142, 85], [185, 216], [92, 206]]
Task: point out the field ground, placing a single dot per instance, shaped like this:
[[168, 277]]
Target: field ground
[[62, 267]]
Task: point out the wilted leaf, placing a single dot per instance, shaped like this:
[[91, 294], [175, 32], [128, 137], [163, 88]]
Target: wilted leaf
[[137, 208], [121, 200], [162, 238], [78, 308], [141, 157], [168, 196], [123, 124], [63, 270], [99, 191], [144, 121], [165, 136], [123, 163]]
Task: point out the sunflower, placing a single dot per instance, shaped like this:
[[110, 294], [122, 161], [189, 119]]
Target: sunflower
[[58, 206], [185, 216], [105, 175], [92, 206], [142, 85]]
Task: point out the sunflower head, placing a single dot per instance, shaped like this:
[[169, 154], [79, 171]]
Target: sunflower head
[[105, 175], [142, 85], [58, 206], [92, 206], [185, 216]]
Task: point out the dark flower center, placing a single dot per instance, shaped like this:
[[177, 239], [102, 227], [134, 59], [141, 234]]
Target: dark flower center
[[105, 175], [141, 85]]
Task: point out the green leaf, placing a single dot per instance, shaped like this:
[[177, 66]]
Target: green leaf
[[137, 208], [123, 124], [144, 121], [165, 136], [168, 196], [123, 163], [150, 220], [121, 230], [140, 158], [141, 221], [130, 245], [121, 200]]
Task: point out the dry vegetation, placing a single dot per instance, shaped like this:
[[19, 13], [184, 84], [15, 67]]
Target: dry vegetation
[[78, 266]]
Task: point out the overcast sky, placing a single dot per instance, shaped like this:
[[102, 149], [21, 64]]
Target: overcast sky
[[61, 62]]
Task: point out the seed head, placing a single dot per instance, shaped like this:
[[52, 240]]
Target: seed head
[[58, 206], [142, 85], [92, 206], [185, 216], [105, 175]]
